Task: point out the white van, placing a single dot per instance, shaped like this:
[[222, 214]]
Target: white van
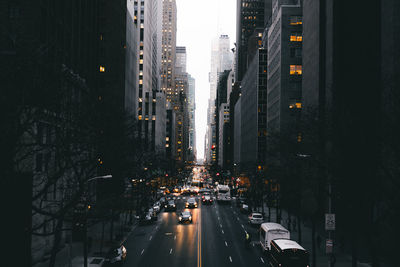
[[270, 231]]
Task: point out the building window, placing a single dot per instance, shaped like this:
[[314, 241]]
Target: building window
[[295, 70], [296, 37], [296, 20], [102, 69]]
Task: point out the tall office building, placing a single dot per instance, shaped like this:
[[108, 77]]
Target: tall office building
[[250, 15], [169, 50], [285, 68], [192, 117]]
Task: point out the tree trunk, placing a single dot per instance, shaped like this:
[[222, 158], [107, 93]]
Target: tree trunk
[[57, 240], [299, 227], [354, 255], [314, 258], [112, 226], [102, 238]]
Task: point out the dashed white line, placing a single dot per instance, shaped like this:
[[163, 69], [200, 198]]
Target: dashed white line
[[230, 258], [150, 237], [174, 237], [170, 251], [242, 226], [142, 252], [222, 231], [220, 225], [226, 244], [262, 260], [218, 218]]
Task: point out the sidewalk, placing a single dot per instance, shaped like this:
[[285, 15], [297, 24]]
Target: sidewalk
[[322, 259], [71, 254]]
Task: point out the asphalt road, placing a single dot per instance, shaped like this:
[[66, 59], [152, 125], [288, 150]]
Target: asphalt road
[[214, 238]]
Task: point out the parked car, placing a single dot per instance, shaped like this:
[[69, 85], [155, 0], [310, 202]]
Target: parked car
[[156, 207], [244, 208], [153, 214], [256, 218], [185, 216], [145, 218], [116, 255]]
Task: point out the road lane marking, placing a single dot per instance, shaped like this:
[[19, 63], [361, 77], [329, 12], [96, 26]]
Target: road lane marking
[[218, 218], [222, 231], [262, 260], [150, 237], [142, 252], [226, 244], [220, 225], [174, 237], [170, 251], [168, 233], [242, 226], [230, 258]]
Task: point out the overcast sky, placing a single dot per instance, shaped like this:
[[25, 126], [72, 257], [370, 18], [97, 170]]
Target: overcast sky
[[198, 23]]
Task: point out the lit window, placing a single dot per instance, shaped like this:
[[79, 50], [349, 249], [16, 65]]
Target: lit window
[[102, 69], [140, 117], [298, 105], [295, 70], [296, 37], [167, 138], [141, 61], [140, 81], [296, 20]]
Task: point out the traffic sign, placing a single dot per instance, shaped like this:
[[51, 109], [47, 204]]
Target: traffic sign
[[329, 221]]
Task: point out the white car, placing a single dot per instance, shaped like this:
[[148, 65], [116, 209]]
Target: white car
[[256, 218]]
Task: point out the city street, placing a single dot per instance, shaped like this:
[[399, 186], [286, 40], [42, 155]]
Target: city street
[[215, 238]]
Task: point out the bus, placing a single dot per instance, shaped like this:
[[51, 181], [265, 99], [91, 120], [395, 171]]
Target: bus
[[288, 253], [270, 231], [223, 193]]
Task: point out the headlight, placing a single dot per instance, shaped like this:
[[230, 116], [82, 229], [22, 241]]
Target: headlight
[[190, 217], [165, 205], [173, 205], [180, 218]]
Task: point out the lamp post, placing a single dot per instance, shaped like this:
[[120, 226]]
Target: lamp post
[[85, 248]]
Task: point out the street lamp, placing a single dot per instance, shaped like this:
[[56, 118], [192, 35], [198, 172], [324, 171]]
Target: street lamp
[[85, 251]]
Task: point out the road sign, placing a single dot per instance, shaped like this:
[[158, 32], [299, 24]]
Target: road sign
[[330, 221], [329, 246]]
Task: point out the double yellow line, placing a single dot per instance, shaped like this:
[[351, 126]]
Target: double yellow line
[[199, 240]]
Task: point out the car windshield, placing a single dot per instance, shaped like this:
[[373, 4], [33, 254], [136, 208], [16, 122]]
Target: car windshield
[[257, 216], [171, 202], [186, 213], [191, 200]]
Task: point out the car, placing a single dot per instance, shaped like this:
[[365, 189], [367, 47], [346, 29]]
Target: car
[[207, 200], [156, 207], [116, 255], [144, 219], [170, 206], [153, 214], [191, 203], [185, 216], [205, 194], [163, 201], [256, 218]]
